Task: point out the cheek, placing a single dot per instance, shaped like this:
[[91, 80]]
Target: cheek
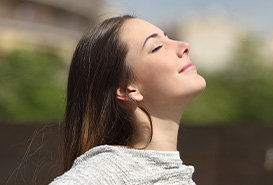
[[157, 80], [155, 72], [157, 67]]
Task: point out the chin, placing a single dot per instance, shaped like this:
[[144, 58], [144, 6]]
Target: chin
[[202, 83], [194, 91], [199, 86]]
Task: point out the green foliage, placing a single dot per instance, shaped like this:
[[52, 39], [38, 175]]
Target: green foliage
[[32, 87], [243, 93]]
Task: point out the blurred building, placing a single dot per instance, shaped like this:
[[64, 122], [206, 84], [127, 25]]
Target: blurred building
[[212, 40], [48, 24]]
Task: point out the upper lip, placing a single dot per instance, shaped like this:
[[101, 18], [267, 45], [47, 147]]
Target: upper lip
[[188, 64]]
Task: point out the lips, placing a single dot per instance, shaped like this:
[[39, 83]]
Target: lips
[[187, 67]]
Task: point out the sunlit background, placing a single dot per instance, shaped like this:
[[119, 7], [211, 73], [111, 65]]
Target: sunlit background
[[231, 45]]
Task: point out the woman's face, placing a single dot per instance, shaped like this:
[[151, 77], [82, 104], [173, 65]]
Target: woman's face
[[162, 67]]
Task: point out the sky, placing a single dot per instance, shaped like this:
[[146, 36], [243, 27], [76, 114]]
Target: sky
[[255, 14]]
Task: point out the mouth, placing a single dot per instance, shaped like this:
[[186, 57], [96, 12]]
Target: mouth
[[187, 67]]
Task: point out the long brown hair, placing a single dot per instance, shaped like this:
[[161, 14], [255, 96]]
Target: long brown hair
[[94, 116]]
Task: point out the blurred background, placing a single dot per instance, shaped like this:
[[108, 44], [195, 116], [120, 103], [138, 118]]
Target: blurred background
[[227, 131]]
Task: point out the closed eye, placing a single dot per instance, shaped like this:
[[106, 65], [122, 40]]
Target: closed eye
[[157, 48]]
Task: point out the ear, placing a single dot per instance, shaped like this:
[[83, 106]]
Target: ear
[[133, 93]]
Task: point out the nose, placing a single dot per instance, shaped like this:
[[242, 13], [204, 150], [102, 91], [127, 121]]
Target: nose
[[183, 49]]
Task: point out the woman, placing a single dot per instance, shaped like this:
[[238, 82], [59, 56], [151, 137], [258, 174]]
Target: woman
[[128, 87]]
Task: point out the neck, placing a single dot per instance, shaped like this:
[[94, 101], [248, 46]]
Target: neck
[[164, 135], [165, 124]]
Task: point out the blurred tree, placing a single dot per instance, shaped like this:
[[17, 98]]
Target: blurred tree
[[32, 87], [251, 82], [243, 93]]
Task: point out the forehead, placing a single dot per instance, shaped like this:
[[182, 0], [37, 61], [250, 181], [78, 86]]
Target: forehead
[[135, 31]]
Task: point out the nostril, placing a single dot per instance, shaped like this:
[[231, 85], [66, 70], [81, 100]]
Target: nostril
[[186, 51]]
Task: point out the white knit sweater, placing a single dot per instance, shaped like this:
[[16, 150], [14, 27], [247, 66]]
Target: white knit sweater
[[119, 165]]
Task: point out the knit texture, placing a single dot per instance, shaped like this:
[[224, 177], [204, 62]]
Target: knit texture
[[120, 165]]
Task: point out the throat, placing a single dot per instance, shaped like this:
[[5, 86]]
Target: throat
[[164, 135]]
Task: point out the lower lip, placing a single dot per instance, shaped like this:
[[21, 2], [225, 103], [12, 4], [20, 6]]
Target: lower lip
[[190, 67]]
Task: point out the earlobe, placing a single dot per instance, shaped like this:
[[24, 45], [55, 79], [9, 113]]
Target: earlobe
[[132, 93], [135, 95]]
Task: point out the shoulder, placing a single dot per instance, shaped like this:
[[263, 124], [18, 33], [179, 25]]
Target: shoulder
[[100, 165]]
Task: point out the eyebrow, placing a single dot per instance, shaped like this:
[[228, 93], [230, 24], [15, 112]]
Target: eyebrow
[[154, 35]]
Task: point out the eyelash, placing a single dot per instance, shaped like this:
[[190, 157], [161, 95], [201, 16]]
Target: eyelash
[[157, 48]]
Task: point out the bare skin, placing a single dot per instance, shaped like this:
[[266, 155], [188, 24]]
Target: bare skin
[[165, 83]]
